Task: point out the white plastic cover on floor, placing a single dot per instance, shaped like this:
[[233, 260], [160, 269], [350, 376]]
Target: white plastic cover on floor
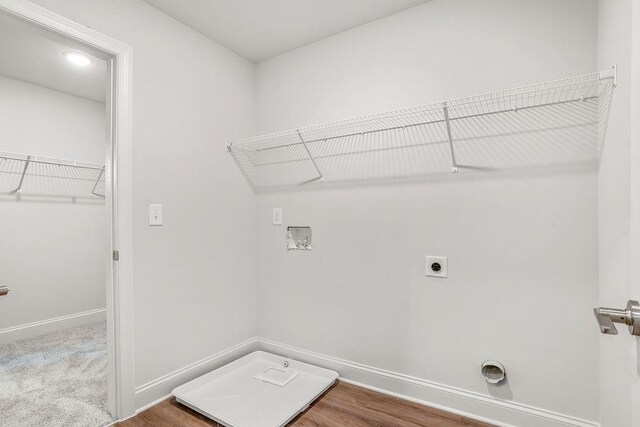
[[258, 390]]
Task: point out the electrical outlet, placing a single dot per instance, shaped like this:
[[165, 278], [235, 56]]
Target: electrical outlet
[[437, 266], [277, 216]]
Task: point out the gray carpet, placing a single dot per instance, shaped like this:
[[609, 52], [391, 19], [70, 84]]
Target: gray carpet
[[58, 379]]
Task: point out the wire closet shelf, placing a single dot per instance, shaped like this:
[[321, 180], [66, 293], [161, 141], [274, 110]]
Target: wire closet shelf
[[548, 124], [25, 174]]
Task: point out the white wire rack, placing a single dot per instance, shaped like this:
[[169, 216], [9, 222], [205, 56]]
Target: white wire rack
[[24, 174], [551, 123]]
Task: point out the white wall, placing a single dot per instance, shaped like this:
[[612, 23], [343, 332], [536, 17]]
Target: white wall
[[52, 252], [361, 294], [522, 249], [614, 46], [195, 277]]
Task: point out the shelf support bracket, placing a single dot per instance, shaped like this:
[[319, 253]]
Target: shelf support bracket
[[454, 164], [229, 149], [304, 144], [95, 185], [611, 73], [24, 172]]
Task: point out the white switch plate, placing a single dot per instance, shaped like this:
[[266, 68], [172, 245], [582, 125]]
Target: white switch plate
[[432, 270], [155, 214], [277, 216]]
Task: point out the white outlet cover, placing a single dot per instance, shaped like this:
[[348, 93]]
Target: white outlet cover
[[277, 216], [444, 267]]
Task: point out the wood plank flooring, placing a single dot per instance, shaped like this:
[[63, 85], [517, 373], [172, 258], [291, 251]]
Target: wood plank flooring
[[342, 405]]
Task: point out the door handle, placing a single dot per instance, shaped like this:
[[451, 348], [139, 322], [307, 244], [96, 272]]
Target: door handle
[[630, 316], [3, 291]]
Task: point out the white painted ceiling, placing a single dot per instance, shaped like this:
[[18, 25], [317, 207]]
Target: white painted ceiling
[[35, 56], [260, 29]]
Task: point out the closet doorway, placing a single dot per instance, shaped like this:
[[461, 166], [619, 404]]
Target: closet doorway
[[65, 195]]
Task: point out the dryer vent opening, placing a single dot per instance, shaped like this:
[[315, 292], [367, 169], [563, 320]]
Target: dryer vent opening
[[493, 371]]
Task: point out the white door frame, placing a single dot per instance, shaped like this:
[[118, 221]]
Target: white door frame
[[635, 204], [120, 294]]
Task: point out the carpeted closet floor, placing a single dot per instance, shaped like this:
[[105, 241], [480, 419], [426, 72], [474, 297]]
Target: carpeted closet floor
[[58, 379]]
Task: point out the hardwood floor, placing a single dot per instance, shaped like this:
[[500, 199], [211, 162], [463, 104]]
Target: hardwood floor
[[341, 405]]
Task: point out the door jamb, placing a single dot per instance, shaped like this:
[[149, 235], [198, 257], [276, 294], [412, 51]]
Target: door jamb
[[634, 136]]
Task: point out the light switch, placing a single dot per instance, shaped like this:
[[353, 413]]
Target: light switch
[[437, 266], [277, 216], [155, 214]]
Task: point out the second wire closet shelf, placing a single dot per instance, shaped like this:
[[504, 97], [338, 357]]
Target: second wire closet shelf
[[550, 124], [24, 174]]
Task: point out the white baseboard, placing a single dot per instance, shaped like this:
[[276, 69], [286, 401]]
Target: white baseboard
[[47, 326], [470, 404], [160, 389]]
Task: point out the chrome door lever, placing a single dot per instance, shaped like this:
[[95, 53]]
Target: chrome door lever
[[630, 316]]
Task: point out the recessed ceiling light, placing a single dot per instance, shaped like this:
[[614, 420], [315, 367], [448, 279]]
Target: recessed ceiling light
[[79, 59]]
